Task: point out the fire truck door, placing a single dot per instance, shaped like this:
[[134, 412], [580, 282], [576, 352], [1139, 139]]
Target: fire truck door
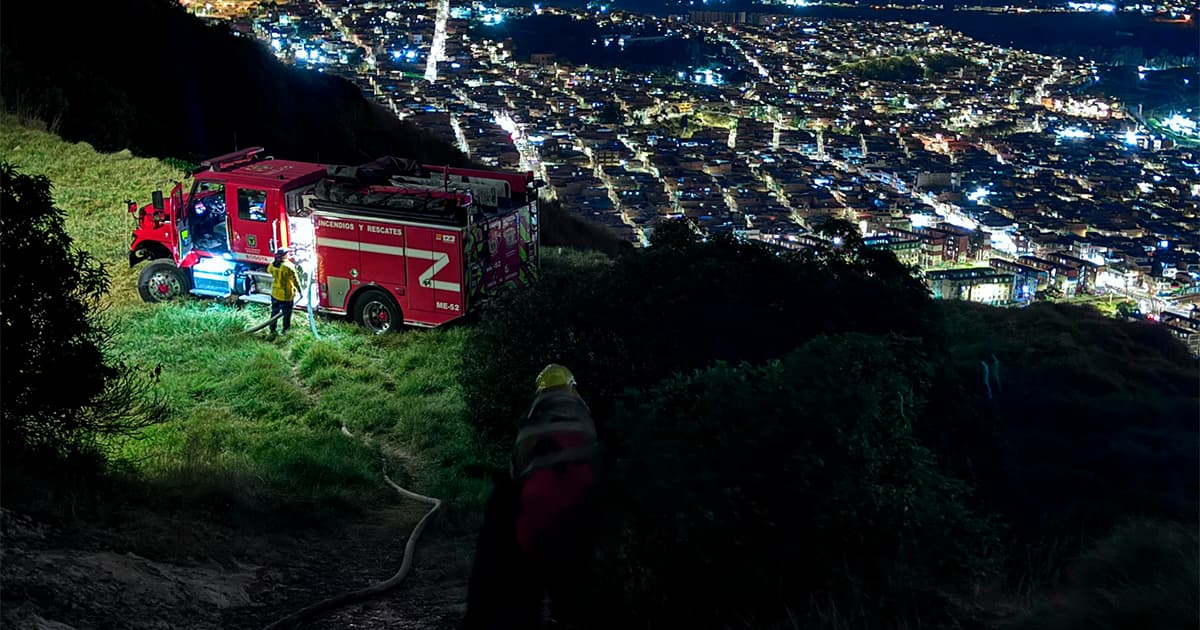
[[419, 263], [175, 211], [255, 224], [447, 282]]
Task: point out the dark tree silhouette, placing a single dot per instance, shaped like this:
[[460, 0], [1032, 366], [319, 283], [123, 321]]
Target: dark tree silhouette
[[58, 386]]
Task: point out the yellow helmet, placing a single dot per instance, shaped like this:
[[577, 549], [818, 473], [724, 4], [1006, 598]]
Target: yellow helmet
[[555, 375]]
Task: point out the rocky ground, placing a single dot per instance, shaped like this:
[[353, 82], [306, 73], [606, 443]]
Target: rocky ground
[[151, 571]]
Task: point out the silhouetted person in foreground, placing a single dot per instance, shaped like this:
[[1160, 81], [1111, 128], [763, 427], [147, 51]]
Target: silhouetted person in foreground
[[536, 541]]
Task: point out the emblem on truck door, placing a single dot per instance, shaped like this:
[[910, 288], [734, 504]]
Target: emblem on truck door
[[251, 240]]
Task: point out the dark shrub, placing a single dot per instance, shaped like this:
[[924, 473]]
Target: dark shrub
[[1090, 420], [1145, 574], [59, 388], [679, 305], [744, 492]]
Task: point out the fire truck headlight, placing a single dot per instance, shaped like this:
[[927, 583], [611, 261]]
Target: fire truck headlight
[[215, 265]]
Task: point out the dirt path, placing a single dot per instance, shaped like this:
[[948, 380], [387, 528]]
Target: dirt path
[[153, 572]]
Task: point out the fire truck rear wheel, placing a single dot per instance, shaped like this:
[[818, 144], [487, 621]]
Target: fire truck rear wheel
[[377, 312], [162, 281]]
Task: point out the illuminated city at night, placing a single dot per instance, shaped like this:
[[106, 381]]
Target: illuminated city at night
[[589, 314], [1061, 175]]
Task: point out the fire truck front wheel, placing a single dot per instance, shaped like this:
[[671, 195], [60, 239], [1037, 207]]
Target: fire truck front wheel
[[377, 312], [162, 281]]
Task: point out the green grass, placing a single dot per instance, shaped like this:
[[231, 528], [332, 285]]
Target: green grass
[[255, 425], [1142, 575], [92, 188]]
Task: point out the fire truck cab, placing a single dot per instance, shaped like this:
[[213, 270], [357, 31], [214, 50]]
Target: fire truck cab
[[385, 243]]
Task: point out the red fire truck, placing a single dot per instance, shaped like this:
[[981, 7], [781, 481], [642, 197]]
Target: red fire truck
[[386, 242]]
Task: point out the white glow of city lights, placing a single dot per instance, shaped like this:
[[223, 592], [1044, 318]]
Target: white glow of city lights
[[922, 220], [1074, 132], [1003, 242], [1131, 137], [708, 77], [1105, 7], [301, 54], [1181, 125], [505, 122], [979, 194]]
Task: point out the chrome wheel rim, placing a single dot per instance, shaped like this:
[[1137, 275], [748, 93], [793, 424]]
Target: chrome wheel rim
[[376, 317], [164, 286]]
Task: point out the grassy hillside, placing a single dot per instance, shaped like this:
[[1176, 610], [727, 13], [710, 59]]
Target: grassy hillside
[[256, 425], [92, 188]]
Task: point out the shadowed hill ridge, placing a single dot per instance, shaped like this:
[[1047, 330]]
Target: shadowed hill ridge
[[146, 75]]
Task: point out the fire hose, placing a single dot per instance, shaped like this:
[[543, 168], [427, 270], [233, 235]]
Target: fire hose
[[311, 611], [274, 318], [312, 322]]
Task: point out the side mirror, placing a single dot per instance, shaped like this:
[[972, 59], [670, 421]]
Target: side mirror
[[157, 199]]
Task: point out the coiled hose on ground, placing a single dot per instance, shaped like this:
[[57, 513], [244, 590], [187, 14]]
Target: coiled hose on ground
[[312, 611]]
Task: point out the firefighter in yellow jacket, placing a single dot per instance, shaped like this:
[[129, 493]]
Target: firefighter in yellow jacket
[[285, 284]]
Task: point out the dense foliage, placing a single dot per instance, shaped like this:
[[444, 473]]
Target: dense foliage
[[794, 436], [60, 388], [1082, 420], [746, 492], [1145, 574], [678, 306], [811, 449]]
